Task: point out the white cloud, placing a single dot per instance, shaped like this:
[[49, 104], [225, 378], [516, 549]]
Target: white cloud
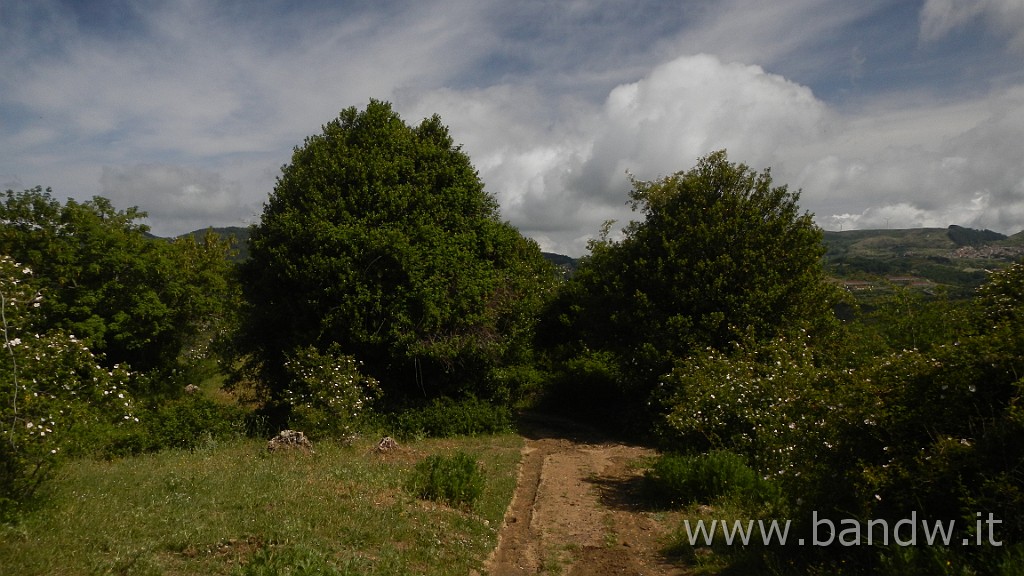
[[558, 177], [177, 199], [553, 101], [941, 17], [694, 105], [935, 166], [897, 162]]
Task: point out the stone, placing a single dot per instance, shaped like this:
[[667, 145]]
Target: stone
[[290, 440], [387, 444]]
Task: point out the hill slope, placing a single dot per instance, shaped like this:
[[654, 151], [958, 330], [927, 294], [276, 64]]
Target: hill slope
[[958, 257]]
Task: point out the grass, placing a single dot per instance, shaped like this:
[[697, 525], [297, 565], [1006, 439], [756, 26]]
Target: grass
[[234, 509]]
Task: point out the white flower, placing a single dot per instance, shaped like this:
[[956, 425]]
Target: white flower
[[15, 342]]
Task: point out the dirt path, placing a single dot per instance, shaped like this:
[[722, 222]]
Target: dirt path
[[577, 510]]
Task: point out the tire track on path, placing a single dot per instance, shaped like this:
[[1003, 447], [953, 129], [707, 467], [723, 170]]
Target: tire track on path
[[577, 508]]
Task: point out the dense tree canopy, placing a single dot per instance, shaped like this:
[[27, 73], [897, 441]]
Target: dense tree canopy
[[720, 255], [135, 299], [379, 237]]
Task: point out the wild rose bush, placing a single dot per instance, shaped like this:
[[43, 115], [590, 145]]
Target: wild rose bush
[[53, 392], [766, 400], [327, 394], [937, 432]]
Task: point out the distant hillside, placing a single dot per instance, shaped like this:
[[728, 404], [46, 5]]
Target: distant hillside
[[566, 263], [239, 233], [960, 258], [241, 236], [957, 257]]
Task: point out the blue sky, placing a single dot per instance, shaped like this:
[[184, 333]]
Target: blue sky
[[891, 113]]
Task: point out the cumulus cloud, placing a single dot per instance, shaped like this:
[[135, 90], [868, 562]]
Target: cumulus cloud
[[691, 106], [918, 169], [192, 107], [891, 164], [560, 177]]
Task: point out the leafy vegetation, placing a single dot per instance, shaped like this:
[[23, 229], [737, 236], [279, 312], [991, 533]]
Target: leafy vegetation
[[55, 393], [134, 300], [449, 417], [380, 238], [678, 480], [456, 480], [856, 433], [382, 291], [327, 393], [720, 253]]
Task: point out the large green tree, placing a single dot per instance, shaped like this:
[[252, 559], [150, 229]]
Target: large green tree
[[131, 297], [380, 238], [720, 255]]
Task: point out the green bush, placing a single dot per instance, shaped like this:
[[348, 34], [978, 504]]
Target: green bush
[[765, 400], [328, 395], [456, 480], [54, 393], [447, 417], [186, 423], [677, 480], [191, 421]]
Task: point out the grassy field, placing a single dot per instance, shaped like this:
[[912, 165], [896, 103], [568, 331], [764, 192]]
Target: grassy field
[[233, 508]]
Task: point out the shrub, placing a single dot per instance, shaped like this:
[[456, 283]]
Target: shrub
[[677, 480], [456, 480], [447, 417], [189, 422], [766, 400], [54, 394], [328, 395]]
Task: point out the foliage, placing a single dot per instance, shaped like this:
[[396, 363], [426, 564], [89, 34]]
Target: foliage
[[767, 400], [907, 319], [136, 300], [677, 479], [187, 423], [448, 417], [878, 431], [591, 385], [721, 254], [53, 390], [327, 394], [380, 237], [456, 480], [970, 237]]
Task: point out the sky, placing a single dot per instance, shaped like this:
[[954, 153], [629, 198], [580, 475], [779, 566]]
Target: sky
[[881, 113]]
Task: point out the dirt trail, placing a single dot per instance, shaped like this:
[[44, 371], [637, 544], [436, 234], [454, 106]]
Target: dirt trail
[[577, 510]]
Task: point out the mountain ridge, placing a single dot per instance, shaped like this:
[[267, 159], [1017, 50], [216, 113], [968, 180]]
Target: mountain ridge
[[955, 256]]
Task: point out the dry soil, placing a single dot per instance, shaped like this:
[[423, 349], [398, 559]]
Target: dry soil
[[578, 509]]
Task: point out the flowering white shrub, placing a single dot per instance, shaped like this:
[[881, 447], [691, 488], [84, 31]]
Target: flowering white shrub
[[327, 393], [766, 400], [51, 388]]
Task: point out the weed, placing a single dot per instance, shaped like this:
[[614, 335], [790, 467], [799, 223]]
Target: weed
[[455, 480], [705, 478]]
